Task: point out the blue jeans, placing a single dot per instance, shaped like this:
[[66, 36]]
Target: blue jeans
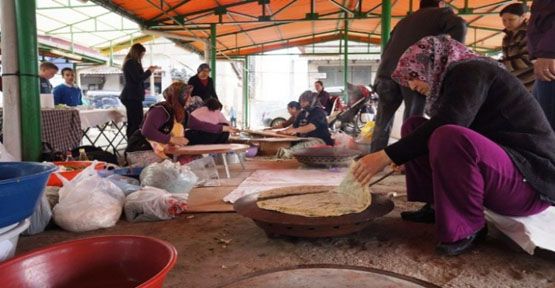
[[544, 92]]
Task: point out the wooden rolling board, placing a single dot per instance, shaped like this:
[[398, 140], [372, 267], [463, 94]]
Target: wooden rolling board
[[267, 133], [268, 139], [208, 149]]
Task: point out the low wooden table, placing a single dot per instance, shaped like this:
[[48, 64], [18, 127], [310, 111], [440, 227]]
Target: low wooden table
[[270, 145], [219, 149]]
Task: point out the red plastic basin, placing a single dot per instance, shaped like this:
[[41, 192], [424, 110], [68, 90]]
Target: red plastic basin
[[77, 165], [106, 261]]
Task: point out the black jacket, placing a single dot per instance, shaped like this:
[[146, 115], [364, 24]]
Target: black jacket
[[422, 23], [202, 91], [134, 76], [489, 100]]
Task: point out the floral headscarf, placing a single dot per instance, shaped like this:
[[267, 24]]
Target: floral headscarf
[[428, 60]]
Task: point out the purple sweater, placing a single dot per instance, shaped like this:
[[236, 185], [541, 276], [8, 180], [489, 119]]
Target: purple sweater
[[157, 116], [541, 30]]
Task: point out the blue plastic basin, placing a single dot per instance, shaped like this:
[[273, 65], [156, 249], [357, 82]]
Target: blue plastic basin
[[21, 185]]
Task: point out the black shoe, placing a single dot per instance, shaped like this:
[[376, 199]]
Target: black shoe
[[461, 246], [426, 214]]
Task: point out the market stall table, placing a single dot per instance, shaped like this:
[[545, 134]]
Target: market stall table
[[61, 128]]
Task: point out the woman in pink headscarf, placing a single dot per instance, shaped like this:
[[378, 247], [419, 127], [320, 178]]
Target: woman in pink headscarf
[[487, 144]]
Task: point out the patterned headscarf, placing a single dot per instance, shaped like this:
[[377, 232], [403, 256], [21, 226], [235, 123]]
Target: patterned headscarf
[[428, 60], [177, 95]]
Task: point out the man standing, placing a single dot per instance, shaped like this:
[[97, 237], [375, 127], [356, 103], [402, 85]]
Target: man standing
[[432, 19], [323, 97], [67, 93], [541, 44], [47, 71]]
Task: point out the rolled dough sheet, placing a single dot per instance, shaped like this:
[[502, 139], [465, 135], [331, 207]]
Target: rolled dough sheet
[[349, 197]]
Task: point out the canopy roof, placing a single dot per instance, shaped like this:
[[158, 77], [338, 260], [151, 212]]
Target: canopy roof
[[246, 27], [84, 23]]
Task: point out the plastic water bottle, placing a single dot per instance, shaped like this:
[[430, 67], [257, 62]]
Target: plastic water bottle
[[69, 156], [83, 155]]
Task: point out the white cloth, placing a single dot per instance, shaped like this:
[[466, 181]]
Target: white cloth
[[92, 118], [528, 232], [263, 180]]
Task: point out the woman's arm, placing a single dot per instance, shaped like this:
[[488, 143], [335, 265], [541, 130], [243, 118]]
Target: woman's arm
[[155, 118], [135, 71]]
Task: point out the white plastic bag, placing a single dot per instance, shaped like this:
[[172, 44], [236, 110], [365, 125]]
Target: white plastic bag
[[88, 202], [169, 176], [343, 140], [4, 155], [40, 218], [127, 184], [206, 172], [153, 204]]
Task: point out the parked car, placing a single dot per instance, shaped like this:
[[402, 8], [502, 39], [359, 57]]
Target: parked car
[[103, 99], [110, 99]]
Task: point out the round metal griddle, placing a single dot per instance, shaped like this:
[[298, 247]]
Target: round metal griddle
[[277, 224], [327, 276], [326, 156]]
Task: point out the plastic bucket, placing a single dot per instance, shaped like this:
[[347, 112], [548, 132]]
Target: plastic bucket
[[8, 239], [107, 261], [77, 165], [21, 184]]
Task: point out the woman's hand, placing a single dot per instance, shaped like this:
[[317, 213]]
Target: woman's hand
[[398, 168], [226, 128], [153, 68], [544, 68], [179, 141], [370, 165], [288, 131]]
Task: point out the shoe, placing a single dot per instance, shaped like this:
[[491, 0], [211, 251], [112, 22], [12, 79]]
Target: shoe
[[426, 214], [461, 246]]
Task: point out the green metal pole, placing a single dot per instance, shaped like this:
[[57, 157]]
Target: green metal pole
[[246, 93], [386, 22], [345, 61], [213, 52], [111, 60], [29, 93]]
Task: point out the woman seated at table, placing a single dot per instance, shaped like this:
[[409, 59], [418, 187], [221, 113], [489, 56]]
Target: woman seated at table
[[312, 123], [162, 129], [487, 144], [210, 113]]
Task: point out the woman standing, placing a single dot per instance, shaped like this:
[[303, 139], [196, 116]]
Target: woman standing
[[133, 92], [203, 85], [486, 145], [515, 51]]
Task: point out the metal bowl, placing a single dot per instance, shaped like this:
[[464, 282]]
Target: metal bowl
[[280, 224], [326, 156]]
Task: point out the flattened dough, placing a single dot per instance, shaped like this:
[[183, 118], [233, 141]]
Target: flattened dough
[[349, 197]]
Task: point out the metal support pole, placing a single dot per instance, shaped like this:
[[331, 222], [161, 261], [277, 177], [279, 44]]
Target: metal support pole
[[246, 93], [152, 84], [386, 22], [345, 60], [213, 52], [12, 118], [26, 23], [111, 60]]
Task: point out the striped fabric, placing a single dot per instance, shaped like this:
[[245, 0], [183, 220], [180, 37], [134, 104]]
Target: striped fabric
[[516, 57]]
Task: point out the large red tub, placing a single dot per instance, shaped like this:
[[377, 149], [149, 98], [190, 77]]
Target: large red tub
[[106, 261]]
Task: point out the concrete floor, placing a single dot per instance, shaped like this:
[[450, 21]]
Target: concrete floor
[[215, 248]]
